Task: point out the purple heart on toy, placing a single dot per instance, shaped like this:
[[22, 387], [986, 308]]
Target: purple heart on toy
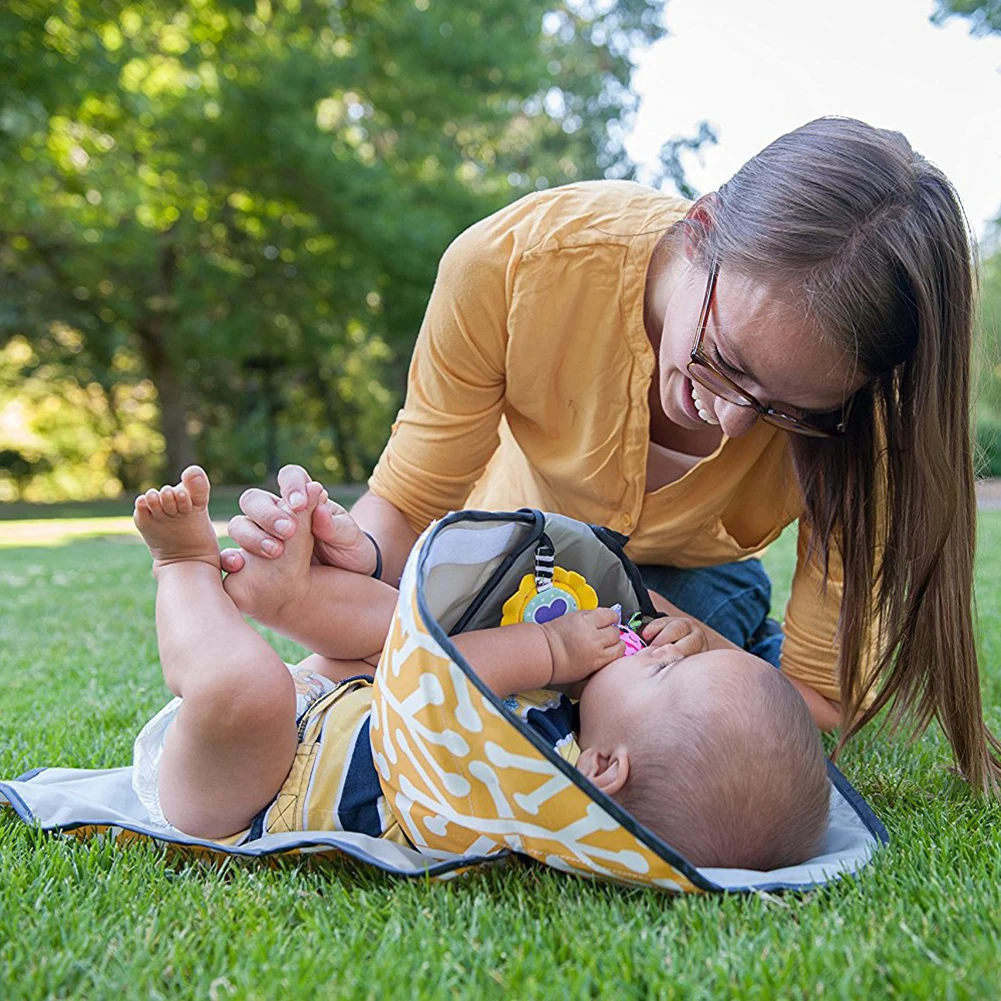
[[549, 612]]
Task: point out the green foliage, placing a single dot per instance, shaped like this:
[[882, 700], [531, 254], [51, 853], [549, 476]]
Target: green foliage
[[247, 200], [984, 15], [988, 365], [70, 432]]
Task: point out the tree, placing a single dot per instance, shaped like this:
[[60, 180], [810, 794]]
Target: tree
[[985, 19], [984, 15], [247, 200]]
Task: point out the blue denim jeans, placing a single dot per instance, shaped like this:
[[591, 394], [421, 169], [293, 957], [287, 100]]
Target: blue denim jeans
[[733, 598]]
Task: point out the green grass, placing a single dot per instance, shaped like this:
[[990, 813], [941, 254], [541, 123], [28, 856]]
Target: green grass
[[78, 677]]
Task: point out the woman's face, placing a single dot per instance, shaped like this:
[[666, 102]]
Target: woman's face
[[756, 340]]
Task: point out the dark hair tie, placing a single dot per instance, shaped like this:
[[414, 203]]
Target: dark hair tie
[[377, 572]]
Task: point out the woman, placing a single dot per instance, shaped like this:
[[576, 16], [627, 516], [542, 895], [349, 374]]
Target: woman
[[795, 345]]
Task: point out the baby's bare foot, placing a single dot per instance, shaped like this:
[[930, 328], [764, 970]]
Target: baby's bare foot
[[266, 588], [174, 521]]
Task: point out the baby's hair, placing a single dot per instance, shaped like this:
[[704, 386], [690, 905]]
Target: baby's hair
[[736, 777]]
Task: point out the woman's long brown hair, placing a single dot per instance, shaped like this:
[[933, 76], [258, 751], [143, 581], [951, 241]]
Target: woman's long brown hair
[[870, 242]]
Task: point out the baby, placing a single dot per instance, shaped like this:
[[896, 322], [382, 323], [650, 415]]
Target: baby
[[713, 751]]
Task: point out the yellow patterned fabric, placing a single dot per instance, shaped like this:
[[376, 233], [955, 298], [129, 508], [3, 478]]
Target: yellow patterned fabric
[[462, 778], [315, 795]]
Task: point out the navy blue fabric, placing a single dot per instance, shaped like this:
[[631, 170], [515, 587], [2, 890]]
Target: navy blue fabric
[[554, 723], [733, 598], [358, 808]]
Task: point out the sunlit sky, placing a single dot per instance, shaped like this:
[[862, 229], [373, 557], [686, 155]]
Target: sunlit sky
[[757, 68]]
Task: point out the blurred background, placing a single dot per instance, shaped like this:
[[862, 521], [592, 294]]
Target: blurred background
[[220, 221]]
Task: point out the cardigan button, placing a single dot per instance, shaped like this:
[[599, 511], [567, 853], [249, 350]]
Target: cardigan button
[[627, 522]]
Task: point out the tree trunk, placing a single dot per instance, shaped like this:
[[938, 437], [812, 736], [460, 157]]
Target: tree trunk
[[334, 423], [180, 451], [162, 372]]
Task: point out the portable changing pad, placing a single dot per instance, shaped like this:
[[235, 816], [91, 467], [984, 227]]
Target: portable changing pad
[[468, 780]]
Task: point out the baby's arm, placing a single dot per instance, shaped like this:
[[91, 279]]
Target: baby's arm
[[341, 615], [333, 612], [525, 656]]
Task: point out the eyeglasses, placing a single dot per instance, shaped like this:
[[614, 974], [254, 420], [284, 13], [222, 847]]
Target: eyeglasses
[[704, 371]]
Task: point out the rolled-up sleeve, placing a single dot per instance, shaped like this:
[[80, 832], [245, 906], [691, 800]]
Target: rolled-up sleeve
[[448, 427]]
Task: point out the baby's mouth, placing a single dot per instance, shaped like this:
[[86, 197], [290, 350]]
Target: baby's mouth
[[704, 412]]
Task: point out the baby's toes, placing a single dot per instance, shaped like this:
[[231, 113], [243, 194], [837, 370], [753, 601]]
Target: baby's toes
[[315, 494], [153, 503], [183, 499], [169, 502], [195, 481]]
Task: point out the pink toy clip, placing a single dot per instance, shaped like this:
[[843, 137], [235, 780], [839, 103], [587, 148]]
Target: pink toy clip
[[633, 641]]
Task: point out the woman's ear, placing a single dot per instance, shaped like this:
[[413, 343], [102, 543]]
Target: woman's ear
[[699, 221], [608, 770]]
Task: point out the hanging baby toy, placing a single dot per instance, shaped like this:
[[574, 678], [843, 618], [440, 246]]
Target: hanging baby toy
[[548, 593], [552, 592]]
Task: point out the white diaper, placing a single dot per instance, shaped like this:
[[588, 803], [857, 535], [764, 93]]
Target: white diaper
[[147, 751]]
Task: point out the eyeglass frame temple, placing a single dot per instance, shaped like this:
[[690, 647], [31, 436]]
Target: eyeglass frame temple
[[696, 357]]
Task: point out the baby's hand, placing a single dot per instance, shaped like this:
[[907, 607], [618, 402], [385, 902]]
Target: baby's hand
[[581, 643], [687, 636]]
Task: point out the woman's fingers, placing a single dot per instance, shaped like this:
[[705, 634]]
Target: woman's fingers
[[249, 535], [292, 482], [324, 526], [270, 513]]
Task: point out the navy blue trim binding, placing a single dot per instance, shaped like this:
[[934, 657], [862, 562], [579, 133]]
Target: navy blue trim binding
[[858, 804], [17, 804], [241, 851]]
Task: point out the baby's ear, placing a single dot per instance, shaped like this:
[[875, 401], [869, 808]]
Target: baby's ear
[[608, 770]]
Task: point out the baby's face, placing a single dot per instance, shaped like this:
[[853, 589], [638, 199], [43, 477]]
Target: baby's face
[[631, 691]]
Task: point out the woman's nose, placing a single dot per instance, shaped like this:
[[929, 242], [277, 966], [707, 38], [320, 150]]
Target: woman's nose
[[733, 419]]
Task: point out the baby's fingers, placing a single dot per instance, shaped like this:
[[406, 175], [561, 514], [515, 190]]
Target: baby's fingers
[[669, 653], [672, 630], [601, 618], [693, 642]]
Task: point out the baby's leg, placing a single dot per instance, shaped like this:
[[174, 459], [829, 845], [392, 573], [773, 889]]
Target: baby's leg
[[234, 738], [337, 670], [334, 612]]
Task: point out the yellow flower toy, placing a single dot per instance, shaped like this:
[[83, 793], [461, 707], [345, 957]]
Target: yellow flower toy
[[548, 593]]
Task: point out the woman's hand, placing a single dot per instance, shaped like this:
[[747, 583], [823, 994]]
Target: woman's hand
[[581, 643], [688, 636], [266, 523]]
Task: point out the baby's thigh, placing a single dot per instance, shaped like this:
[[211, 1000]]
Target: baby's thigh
[[223, 763]]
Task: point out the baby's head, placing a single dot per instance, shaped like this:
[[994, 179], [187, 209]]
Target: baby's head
[[716, 754]]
